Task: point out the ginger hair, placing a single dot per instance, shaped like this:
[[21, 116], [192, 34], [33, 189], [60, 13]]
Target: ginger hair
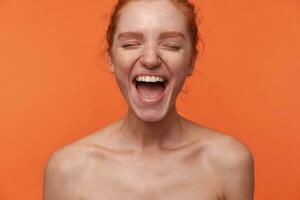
[[185, 6]]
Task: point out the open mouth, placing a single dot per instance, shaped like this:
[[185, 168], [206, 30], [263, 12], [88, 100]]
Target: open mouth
[[150, 87]]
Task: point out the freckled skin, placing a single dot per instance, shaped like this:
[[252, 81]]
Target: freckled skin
[[150, 53], [152, 153]]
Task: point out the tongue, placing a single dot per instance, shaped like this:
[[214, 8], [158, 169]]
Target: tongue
[[150, 90]]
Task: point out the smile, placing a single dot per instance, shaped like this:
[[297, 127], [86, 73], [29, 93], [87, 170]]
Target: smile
[[151, 79], [150, 87]]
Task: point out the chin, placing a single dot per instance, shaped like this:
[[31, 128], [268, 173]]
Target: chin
[[150, 115]]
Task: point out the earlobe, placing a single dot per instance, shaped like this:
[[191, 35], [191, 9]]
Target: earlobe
[[112, 68], [190, 70], [192, 66]]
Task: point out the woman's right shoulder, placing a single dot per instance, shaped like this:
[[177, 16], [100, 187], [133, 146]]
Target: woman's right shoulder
[[63, 170], [66, 161], [73, 158]]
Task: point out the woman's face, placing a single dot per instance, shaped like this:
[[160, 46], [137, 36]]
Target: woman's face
[[151, 56]]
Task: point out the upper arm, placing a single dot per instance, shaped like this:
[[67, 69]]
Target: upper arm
[[236, 165], [57, 177]]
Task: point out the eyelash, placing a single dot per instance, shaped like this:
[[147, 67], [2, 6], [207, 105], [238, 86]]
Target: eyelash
[[172, 47], [168, 46], [130, 45]]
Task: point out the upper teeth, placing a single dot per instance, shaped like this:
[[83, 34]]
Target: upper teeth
[[150, 78]]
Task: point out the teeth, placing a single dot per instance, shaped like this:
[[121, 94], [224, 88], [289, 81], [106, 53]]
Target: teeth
[[151, 79]]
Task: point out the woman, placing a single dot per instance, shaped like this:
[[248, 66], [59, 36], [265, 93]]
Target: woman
[[153, 152]]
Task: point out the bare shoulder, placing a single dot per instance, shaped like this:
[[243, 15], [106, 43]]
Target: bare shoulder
[[223, 149], [62, 168], [73, 158], [66, 160], [230, 160], [233, 163], [67, 165], [228, 152]]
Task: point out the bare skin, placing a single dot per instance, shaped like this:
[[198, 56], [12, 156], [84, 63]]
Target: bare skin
[[152, 153], [199, 165]]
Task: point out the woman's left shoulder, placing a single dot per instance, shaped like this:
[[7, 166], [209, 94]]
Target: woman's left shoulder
[[233, 163], [229, 153]]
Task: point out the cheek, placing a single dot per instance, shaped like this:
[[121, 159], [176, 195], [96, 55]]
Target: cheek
[[123, 63], [178, 64], [124, 60]]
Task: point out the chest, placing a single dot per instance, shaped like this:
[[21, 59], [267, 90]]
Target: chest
[[147, 181]]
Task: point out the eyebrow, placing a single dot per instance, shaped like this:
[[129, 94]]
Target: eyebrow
[[171, 34], [163, 35], [130, 34]]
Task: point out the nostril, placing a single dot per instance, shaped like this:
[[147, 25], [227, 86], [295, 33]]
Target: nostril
[[151, 60]]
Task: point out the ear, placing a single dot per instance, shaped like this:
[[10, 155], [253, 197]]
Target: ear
[[190, 70], [191, 66], [111, 65], [112, 68]]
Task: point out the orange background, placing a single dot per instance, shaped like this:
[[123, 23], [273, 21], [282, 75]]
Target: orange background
[[56, 87]]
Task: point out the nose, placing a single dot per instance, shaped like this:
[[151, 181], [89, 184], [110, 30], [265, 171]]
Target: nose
[[150, 57]]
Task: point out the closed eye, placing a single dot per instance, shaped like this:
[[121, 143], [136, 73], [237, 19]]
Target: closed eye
[[130, 45], [172, 47]]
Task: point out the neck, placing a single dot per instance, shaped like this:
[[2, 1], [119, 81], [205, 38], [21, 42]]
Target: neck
[[152, 135]]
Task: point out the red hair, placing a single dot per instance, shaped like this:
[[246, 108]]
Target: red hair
[[185, 6]]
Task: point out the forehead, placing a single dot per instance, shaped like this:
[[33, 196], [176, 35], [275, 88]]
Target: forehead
[[148, 16]]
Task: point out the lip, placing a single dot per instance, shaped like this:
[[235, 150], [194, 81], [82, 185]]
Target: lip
[[150, 101]]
